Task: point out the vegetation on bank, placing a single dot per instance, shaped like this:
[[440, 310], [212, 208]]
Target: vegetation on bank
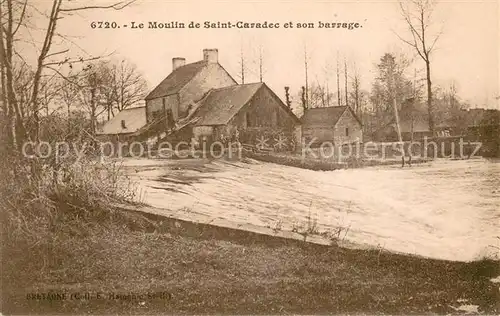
[[296, 160], [136, 263]]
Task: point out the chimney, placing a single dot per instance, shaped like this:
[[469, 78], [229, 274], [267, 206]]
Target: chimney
[[123, 124], [178, 62], [211, 55]]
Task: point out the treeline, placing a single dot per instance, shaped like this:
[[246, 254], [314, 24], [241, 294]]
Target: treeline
[[396, 87], [62, 83], [72, 96], [399, 91]]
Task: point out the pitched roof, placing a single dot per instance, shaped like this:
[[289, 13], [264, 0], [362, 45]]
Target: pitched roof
[[134, 118], [176, 80], [220, 105], [327, 115]]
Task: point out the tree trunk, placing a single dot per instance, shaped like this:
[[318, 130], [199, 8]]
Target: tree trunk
[[304, 102], [339, 99], [398, 128], [92, 112], [396, 114], [307, 80], [260, 65], [345, 75], [69, 118], [429, 96]]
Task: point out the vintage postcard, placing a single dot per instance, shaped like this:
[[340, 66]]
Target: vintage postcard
[[250, 157]]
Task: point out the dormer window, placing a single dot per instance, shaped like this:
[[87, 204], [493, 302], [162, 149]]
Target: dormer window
[[123, 124]]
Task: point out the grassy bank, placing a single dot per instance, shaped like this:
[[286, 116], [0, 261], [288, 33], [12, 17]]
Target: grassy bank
[[66, 250], [197, 268]]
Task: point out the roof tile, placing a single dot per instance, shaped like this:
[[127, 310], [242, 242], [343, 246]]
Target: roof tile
[[220, 105], [134, 119], [323, 116], [176, 80]]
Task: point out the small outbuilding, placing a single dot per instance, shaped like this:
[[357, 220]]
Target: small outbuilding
[[124, 125], [337, 125]]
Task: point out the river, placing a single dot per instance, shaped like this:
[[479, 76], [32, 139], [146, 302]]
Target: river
[[444, 209]]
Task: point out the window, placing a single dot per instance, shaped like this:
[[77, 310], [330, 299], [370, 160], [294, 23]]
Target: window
[[247, 120], [347, 131], [275, 118], [170, 118], [123, 124]]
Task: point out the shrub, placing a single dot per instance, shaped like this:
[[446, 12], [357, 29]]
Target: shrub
[[37, 192], [49, 210]]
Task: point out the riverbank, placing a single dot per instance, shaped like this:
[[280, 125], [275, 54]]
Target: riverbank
[[296, 160], [136, 263]]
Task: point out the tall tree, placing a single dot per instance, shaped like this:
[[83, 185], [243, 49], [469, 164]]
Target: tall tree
[[339, 98], [261, 64], [104, 89], [418, 17], [130, 85], [242, 65], [357, 95], [317, 96], [346, 83], [447, 105], [69, 94], [13, 17], [121, 85], [49, 92], [306, 70], [390, 89], [303, 99]]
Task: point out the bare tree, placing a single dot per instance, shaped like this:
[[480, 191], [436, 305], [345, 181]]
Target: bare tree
[[49, 92], [356, 95], [317, 95], [327, 94], [303, 99], [306, 61], [346, 83], [69, 94], [23, 79], [242, 65], [14, 18], [94, 95], [418, 17], [121, 85], [339, 99], [261, 64], [327, 73], [10, 22], [130, 84]]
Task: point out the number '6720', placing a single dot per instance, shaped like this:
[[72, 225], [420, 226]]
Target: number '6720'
[[104, 25]]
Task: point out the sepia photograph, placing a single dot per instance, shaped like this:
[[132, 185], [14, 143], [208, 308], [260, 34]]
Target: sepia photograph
[[250, 157]]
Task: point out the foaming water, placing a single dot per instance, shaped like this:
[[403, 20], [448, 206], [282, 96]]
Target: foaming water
[[444, 209]]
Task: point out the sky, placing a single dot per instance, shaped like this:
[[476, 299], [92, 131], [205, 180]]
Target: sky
[[467, 53]]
